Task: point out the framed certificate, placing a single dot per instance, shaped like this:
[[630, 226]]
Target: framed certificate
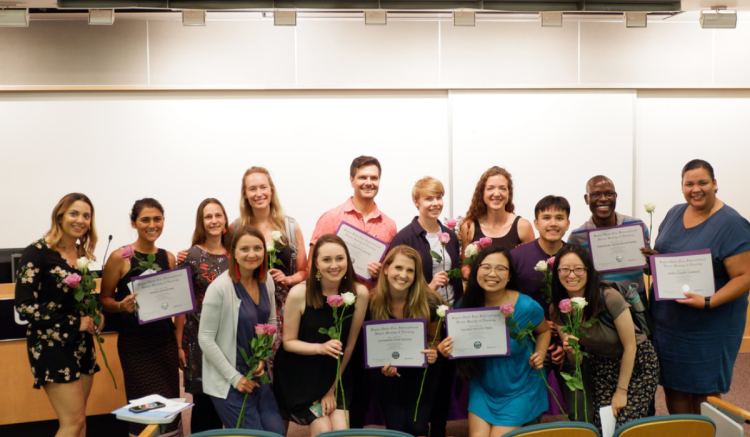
[[164, 294], [399, 342], [686, 272], [363, 248], [617, 247], [477, 332]]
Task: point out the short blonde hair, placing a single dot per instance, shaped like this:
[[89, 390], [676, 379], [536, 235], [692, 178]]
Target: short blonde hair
[[427, 186]]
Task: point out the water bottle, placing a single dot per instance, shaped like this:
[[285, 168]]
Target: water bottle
[[633, 298]]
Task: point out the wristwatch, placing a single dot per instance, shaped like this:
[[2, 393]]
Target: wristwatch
[[708, 303]]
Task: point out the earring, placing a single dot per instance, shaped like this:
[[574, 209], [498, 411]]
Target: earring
[[318, 275], [344, 277], [224, 231], [237, 270]]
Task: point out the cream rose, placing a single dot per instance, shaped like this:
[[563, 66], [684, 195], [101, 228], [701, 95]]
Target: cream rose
[[578, 302], [471, 251], [650, 207], [349, 298], [541, 266], [83, 263], [440, 311], [276, 235]]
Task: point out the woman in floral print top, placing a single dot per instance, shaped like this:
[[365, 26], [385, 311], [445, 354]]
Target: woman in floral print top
[[60, 345]]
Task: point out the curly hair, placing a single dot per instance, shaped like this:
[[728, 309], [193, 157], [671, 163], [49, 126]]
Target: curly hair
[[478, 208]]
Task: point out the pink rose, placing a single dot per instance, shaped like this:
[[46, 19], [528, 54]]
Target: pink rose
[[485, 242], [551, 260], [444, 238], [271, 329], [565, 305], [507, 309], [127, 251], [335, 300], [451, 223], [260, 329], [73, 280]]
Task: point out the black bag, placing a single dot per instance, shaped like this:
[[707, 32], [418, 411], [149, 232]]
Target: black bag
[[641, 319]]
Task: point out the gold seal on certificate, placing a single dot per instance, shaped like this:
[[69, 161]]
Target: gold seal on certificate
[[164, 294], [363, 248], [617, 247], [399, 342], [477, 332], [686, 272]]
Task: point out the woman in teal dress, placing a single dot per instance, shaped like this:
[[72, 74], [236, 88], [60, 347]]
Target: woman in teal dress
[[697, 339], [505, 392]]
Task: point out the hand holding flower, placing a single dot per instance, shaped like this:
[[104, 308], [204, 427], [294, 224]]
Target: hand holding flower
[[246, 385], [87, 324], [536, 361], [331, 348], [260, 370], [440, 279], [568, 348], [389, 370]]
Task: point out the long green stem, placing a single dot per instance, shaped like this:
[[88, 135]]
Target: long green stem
[[104, 356], [424, 375], [241, 418]]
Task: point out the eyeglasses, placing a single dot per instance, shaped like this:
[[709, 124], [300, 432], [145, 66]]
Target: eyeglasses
[[486, 268], [608, 195], [578, 271]]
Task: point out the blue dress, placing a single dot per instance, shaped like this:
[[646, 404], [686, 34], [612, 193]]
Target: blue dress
[[261, 410], [697, 348], [508, 391]]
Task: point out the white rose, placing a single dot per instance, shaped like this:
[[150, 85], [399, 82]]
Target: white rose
[[541, 266], [276, 235], [349, 298], [471, 251], [441, 310], [650, 207], [83, 263], [270, 247], [578, 302]]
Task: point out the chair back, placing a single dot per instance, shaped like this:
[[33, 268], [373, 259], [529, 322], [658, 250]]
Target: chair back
[[680, 425], [365, 432], [556, 429], [234, 432]]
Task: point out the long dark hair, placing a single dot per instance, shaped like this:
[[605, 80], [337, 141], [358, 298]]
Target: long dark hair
[[314, 292], [474, 298], [199, 235], [593, 283]]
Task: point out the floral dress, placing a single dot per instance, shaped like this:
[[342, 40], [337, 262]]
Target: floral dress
[[205, 267], [58, 351]]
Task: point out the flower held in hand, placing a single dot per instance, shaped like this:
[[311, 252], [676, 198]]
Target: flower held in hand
[[335, 300], [73, 280], [507, 309], [128, 251], [565, 306]]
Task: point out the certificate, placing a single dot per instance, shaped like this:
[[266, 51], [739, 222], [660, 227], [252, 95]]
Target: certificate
[[678, 273], [399, 342], [617, 247], [363, 248], [477, 332], [164, 294]]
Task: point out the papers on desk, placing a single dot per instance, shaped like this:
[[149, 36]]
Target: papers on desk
[[172, 408]]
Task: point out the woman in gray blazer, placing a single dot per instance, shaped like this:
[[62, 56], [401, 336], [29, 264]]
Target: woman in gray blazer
[[237, 301]]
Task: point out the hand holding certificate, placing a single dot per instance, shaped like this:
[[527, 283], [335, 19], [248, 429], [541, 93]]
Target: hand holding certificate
[[617, 248], [363, 249], [477, 332], [398, 342], [678, 273], [164, 294]]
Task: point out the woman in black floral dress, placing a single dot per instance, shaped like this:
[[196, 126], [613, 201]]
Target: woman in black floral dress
[[207, 260], [60, 345]]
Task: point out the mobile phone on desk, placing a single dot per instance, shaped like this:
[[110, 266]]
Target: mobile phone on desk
[[147, 407]]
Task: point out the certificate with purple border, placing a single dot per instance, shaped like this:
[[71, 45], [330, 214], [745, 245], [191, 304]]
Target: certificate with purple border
[[617, 247], [399, 342], [477, 332], [163, 295], [686, 272], [363, 248]]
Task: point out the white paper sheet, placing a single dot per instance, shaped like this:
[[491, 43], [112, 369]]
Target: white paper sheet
[[609, 422]]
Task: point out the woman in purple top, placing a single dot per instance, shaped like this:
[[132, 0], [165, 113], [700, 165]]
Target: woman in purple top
[[491, 215]]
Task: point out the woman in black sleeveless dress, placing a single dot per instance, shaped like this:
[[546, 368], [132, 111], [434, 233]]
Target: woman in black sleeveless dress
[[148, 352], [306, 362], [492, 207]]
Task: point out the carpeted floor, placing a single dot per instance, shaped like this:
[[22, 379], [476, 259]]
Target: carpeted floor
[[739, 395]]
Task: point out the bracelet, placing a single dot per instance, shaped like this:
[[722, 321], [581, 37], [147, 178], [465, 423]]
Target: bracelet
[[119, 304], [708, 304], [623, 389]]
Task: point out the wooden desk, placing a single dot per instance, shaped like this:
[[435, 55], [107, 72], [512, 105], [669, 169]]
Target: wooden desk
[[20, 403]]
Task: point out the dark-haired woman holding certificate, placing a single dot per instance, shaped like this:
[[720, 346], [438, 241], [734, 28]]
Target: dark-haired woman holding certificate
[[403, 293], [697, 339], [505, 392]]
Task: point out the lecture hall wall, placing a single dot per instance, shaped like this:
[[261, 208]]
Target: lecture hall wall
[[147, 107]]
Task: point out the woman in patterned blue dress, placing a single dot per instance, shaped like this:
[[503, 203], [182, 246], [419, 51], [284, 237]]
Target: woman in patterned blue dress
[[697, 339], [504, 392], [60, 345]]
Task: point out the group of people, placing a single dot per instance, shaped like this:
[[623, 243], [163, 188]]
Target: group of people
[[691, 352]]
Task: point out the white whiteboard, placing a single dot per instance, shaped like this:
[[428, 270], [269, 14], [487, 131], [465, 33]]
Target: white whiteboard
[[183, 147], [552, 142]]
